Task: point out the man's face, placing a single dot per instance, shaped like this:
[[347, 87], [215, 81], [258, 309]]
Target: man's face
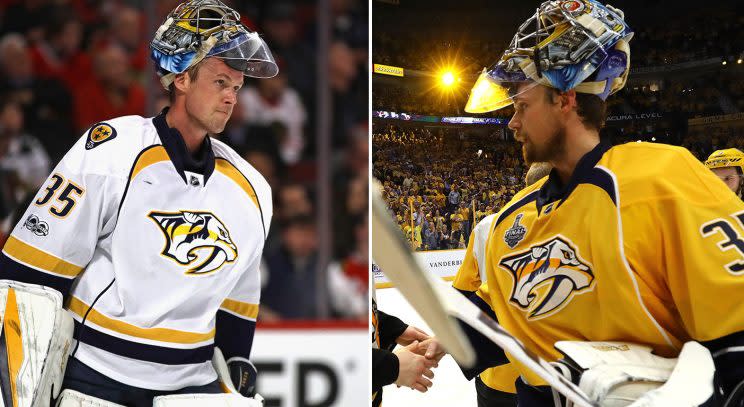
[[15, 61], [300, 239], [729, 176], [211, 97], [536, 124]]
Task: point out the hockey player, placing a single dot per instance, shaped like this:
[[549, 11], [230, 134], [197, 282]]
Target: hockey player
[[494, 386], [728, 165], [536, 171], [636, 243], [153, 231], [410, 365]]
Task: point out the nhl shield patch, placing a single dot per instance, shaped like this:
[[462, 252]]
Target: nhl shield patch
[[99, 134], [515, 233]]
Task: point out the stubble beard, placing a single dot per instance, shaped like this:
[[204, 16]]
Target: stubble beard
[[554, 147]]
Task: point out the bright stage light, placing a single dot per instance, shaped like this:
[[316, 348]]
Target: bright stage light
[[448, 78]]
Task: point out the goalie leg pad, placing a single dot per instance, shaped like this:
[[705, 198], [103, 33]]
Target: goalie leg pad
[[212, 400], [690, 384], [72, 398], [35, 340], [617, 374]]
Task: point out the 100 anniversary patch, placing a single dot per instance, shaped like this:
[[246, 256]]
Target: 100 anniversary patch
[[99, 134]]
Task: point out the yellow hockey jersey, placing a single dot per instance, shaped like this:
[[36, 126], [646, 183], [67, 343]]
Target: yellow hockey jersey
[[469, 278], [642, 244]]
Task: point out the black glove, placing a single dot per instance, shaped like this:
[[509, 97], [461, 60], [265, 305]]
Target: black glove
[[243, 375]]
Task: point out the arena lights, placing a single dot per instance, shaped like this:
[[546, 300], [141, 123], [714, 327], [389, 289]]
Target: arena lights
[[447, 79]]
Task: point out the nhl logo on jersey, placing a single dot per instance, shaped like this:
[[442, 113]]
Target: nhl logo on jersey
[[547, 276], [515, 233], [548, 208], [99, 134], [196, 239]]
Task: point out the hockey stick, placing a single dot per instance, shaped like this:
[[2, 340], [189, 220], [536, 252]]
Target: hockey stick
[[437, 303], [391, 252]]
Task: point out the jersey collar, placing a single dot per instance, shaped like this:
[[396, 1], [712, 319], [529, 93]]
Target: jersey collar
[[201, 162], [554, 190]]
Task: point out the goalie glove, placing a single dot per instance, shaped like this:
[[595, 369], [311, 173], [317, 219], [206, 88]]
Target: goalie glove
[[617, 374], [237, 375], [243, 375]]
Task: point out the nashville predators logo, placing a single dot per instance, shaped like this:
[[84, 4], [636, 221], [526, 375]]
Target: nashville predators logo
[[195, 239], [99, 134], [547, 276]]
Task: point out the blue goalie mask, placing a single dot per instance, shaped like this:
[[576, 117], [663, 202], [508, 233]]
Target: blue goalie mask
[[208, 28], [566, 44]]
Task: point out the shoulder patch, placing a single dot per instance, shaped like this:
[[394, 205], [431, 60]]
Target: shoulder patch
[[99, 134]]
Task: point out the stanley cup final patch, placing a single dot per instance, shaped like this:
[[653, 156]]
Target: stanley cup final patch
[[99, 134], [515, 233]]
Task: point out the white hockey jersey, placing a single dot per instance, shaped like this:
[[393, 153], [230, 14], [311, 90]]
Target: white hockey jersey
[[156, 244]]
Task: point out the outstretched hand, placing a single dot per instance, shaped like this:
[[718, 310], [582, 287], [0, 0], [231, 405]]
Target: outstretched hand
[[432, 349], [414, 370], [411, 334]]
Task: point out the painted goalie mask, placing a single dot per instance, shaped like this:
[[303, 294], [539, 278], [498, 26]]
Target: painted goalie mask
[[566, 44], [208, 28]]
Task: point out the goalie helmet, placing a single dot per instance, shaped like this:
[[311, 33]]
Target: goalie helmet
[[730, 157], [199, 29], [566, 44]]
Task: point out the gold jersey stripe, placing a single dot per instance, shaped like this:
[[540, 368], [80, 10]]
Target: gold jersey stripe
[[229, 170], [156, 334], [149, 157], [39, 259], [241, 308], [13, 343]]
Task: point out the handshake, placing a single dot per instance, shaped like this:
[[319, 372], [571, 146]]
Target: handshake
[[419, 354]]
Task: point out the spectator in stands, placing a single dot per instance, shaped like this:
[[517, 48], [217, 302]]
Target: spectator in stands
[[24, 158], [350, 192], [265, 164], [45, 102], [270, 101], [59, 54], [453, 199], [290, 288], [126, 28], [25, 17], [348, 280], [343, 73], [431, 237], [291, 284], [294, 200], [110, 92], [281, 30]]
